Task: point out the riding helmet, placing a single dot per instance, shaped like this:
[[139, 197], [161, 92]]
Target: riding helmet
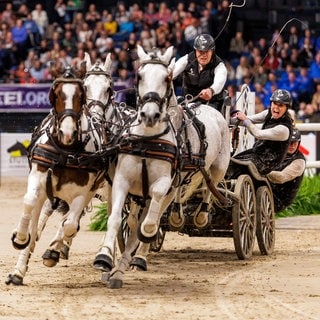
[[282, 96], [204, 42], [296, 135]]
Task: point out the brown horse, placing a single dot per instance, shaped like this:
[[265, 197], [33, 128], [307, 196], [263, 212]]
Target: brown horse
[[67, 162]]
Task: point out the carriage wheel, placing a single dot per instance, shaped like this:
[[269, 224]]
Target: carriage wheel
[[265, 220], [244, 217], [156, 245], [124, 232]]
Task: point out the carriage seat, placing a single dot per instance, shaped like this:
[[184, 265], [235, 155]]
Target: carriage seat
[[248, 167]]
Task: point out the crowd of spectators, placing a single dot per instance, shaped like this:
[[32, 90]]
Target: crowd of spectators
[[30, 45]]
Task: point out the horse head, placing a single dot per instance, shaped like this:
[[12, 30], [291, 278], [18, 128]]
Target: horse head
[[98, 84], [67, 97], [154, 84]]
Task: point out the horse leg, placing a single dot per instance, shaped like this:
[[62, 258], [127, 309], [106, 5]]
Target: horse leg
[[176, 217], [46, 212], [202, 219], [104, 259], [160, 200], [21, 267], [66, 232], [116, 275], [139, 260], [32, 204]]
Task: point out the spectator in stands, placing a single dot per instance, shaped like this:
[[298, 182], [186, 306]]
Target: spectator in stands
[[315, 68], [272, 61], [92, 16], [311, 40], [164, 13], [77, 22], [192, 30], [287, 176], [20, 37], [243, 69], [136, 16], [151, 15], [316, 96], [124, 62], [237, 46], [148, 39], [179, 13], [123, 82], [310, 114], [39, 72], [22, 11], [60, 11], [293, 37], [110, 25], [306, 53], [7, 49], [33, 30], [260, 76], [40, 16], [204, 74], [8, 15], [293, 87], [84, 33], [305, 85]]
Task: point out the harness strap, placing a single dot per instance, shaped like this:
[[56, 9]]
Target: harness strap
[[145, 181], [213, 189], [54, 201], [157, 149]]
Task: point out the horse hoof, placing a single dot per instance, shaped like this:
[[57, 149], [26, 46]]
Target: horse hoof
[[15, 280], [139, 263], [115, 284], [19, 246], [176, 222], [50, 258], [103, 262], [145, 239], [105, 277], [64, 252], [202, 219]]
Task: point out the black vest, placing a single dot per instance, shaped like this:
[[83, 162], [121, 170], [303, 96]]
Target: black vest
[[270, 152], [266, 154], [194, 82], [285, 193]]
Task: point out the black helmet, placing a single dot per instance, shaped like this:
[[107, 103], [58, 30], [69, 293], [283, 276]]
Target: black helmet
[[204, 42], [282, 96], [296, 135]]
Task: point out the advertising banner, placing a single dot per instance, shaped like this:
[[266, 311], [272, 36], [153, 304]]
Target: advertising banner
[[24, 98], [13, 148]]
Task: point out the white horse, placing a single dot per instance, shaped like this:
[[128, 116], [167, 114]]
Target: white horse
[[68, 162], [149, 162]]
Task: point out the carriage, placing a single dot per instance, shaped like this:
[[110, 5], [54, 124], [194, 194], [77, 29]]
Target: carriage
[[250, 214], [241, 208]]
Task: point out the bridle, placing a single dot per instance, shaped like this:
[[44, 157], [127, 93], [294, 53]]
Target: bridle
[[60, 116], [154, 96], [96, 71]]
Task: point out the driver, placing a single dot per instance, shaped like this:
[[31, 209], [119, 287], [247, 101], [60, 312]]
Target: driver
[[272, 140], [204, 74]]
